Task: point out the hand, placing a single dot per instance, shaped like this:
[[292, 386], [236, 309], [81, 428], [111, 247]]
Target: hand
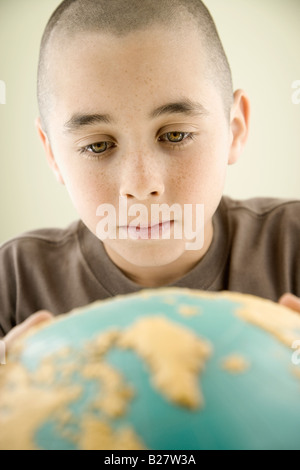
[[31, 321], [290, 301]]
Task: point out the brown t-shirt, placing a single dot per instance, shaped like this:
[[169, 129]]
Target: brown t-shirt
[[255, 250]]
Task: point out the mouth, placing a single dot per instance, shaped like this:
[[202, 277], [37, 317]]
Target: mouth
[[148, 232]]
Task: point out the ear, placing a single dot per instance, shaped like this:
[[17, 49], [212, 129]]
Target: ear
[[239, 125], [49, 154]]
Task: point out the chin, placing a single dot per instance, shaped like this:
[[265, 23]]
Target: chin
[[152, 254]]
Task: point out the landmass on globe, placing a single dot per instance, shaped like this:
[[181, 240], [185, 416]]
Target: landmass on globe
[[174, 356]]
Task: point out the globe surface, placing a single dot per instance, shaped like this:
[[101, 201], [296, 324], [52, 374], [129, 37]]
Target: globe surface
[[161, 369]]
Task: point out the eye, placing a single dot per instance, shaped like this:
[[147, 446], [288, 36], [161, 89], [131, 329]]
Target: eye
[[99, 147], [174, 137]]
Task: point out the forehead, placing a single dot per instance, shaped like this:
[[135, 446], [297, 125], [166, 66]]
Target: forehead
[[104, 71]]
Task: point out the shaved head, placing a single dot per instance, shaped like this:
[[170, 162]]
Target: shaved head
[[122, 17]]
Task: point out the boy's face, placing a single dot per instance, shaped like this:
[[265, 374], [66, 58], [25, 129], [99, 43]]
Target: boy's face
[[138, 148]]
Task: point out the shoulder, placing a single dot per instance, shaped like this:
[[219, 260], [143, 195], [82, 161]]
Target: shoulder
[[260, 207], [257, 214], [270, 222], [33, 268], [41, 240], [263, 247]]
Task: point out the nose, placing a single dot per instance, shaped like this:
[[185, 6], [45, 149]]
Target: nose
[[142, 177]]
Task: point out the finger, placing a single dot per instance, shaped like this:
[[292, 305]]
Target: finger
[[290, 301], [31, 321]]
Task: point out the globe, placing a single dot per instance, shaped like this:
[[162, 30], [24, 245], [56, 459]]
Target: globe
[[168, 368]]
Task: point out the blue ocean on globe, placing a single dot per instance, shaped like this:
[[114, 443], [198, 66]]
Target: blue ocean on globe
[[256, 408]]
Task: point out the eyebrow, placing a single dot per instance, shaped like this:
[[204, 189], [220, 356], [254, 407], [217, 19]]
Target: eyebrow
[[78, 121], [185, 106]]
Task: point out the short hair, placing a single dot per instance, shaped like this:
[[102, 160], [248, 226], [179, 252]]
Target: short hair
[[120, 17]]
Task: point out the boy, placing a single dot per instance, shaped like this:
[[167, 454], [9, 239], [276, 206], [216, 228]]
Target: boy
[[137, 108]]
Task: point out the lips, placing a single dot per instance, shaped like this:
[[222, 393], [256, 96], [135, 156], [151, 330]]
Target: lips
[[149, 226], [146, 232]]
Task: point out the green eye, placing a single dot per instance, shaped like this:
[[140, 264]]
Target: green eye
[[94, 151], [175, 136], [99, 147]]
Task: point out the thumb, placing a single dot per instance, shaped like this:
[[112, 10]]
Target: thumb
[[291, 301], [35, 319]]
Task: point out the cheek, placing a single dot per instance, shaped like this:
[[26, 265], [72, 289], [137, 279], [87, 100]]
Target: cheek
[[200, 175], [88, 186]]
